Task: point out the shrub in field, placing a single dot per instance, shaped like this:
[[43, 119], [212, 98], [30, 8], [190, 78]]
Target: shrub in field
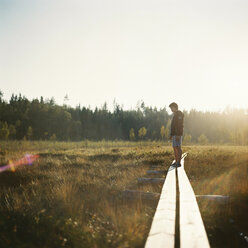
[[202, 139]]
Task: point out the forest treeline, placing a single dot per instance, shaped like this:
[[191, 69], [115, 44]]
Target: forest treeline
[[39, 119]]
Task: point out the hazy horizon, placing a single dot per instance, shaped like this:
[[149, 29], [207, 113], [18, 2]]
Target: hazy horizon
[[194, 53]]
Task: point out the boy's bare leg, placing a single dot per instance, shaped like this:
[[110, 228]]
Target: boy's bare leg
[[179, 153], [176, 153]]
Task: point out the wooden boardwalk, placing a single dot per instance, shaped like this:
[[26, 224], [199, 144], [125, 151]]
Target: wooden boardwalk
[[192, 230], [191, 227], [162, 232]]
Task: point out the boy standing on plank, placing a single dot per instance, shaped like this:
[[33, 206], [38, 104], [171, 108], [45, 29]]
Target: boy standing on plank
[[176, 133]]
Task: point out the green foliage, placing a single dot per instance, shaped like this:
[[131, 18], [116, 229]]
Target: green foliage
[[167, 133], [187, 139], [18, 123], [202, 139], [142, 132], [4, 131], [1, 96], [239, 137], [45, 135], [30, 132], [12, 131], [132, 134], [167, 129], [53, 137], [162, 132], [39, 119]]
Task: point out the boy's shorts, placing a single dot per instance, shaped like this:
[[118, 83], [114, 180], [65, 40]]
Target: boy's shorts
[[176, 143]]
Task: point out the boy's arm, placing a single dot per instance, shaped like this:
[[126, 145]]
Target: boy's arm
[[172, 129]]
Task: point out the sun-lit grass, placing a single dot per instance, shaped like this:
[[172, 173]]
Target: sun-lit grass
[[71, 196], [221, 170]]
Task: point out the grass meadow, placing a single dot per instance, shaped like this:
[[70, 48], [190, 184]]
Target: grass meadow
[[71, 195]]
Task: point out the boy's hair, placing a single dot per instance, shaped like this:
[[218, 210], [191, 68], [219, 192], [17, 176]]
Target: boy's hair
[[173, 104]]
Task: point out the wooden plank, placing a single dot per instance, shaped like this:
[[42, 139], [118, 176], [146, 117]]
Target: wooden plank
[[162, 232], [139, 194], [214, 197], [156, 172], [150, 180], [224, 199], [192, 230], [157, 166]]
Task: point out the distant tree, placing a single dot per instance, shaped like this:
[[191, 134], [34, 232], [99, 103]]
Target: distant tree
[[167, 133], [167, 129], [18, 123], [223, 134], [30, 132], [187, 138], [131, 134], [45, 135], [66, 99], [75, 130], [51, 101], [4, 130], [233, 137], [202, 139], [1, 96], [12, 131], [162, 132], [47, 118], [53, 137], [168, 124], [154, 134], [142, 132], [41, 100], [19, 129], [245, 135]]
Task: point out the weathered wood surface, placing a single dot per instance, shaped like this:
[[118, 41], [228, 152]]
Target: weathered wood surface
[[154, 166], [162, 232], [153, 196], [192, 230], [139, 194], [224, 199], [150, 180], [156, 172], [213, 197]]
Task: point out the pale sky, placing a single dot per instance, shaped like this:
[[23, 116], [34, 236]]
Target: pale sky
[[192, 52]]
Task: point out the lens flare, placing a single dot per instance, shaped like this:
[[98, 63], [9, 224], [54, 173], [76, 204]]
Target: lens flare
[[27, 159]]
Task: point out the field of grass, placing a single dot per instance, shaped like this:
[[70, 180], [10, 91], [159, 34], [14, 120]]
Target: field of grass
[[71, 196]]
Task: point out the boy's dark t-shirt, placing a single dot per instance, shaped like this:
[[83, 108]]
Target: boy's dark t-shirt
[[177, 123]]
